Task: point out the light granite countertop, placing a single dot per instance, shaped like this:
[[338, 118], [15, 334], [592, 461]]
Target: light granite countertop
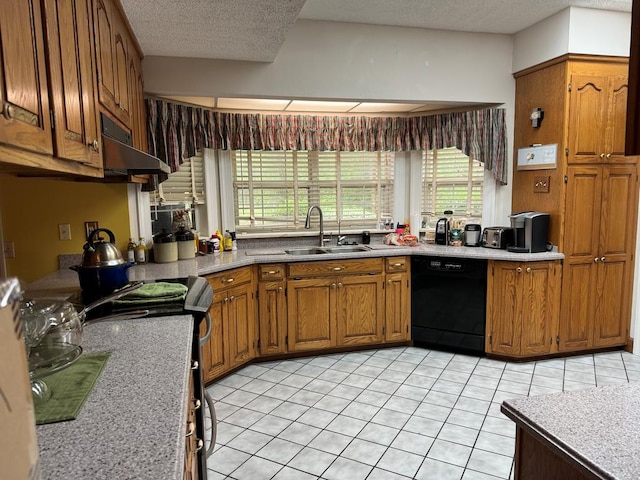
[[66, 280], [134, 421], [597, 429]]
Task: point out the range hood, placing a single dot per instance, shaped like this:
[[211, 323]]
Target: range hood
[[120, 158]]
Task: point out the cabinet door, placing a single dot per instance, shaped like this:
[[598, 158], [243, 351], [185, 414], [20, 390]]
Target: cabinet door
[[540, 306], [360, 309], [581, 240], [397, 307], [272, 317], [121, 66], [617, 120], [72, 85], [24, 100], [138, 116], [215, 353], [587, 118], [242, 338], [311, 311], [504, 310], [105, 32], [615, 272]]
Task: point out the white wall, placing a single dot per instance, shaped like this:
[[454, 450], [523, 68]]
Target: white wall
[[573, 30], [330, 60]]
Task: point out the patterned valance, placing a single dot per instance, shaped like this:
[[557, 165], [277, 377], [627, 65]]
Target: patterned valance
[[177, 131]]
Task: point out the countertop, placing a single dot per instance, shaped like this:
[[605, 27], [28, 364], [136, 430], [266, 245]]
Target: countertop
[[134, 421], [597, 429], [67, 280]]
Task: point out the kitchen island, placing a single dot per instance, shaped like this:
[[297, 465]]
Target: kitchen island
[[133, 423], [584, 434]]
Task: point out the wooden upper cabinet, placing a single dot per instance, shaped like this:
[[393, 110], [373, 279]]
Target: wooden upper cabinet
[[112, 60], [25, 120], [138, 109], [72, 80], [597, 119]]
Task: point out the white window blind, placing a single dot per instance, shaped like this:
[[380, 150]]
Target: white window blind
[[274, 189], [184, 186], [451, 181]]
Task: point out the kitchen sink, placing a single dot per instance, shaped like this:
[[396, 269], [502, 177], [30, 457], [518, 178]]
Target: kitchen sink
[[347, 249], [305, 251], [319, 250]]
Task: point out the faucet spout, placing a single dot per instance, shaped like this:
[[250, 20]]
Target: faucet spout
[[307, 223]]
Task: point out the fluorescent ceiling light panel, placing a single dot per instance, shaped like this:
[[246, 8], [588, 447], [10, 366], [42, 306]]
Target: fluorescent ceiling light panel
[[371, 107], [320, 106], [252, 103]]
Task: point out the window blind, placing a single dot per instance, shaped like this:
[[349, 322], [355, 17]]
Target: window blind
[[274, 189], [183, 186], [451, 181]]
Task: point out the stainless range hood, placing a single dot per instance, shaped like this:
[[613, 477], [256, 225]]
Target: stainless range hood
[[120, 158]]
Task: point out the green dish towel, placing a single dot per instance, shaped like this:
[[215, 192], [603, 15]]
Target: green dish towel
[[70, 388], [154, 293]]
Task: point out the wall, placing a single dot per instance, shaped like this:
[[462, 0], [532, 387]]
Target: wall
[[573, 30], [32, 209], [342, 61]]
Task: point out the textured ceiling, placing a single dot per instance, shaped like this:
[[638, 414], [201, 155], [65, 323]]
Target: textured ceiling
[[254, 30]]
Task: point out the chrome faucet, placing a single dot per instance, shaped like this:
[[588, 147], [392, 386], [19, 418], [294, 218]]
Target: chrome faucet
[[307, 223]]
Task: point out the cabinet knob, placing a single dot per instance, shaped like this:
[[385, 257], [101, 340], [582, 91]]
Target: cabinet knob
[[226, 299], [232, 297], [528, 269], [608, 155], [196, 404], [596, 259], [191, 428], [390, 281], [602, 259], [279, 289], [339, 285], [519, 270], [333, 285], [602, 155], [200, 445], [194, 364]]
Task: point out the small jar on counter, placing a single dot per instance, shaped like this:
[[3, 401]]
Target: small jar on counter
[[165, 247], [185, 240]]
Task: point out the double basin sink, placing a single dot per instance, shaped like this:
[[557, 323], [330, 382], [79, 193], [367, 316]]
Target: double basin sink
[[324, 250]]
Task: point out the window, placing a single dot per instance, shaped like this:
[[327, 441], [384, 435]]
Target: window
[[451, 181], [274, 189], [184, 186]]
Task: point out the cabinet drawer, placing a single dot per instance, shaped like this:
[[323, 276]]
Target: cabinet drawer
[[335, 267], [230, 278], [397, 264], [271, 272]]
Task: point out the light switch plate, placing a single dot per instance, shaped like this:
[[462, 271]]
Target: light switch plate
[[541, 183], [64, 230]]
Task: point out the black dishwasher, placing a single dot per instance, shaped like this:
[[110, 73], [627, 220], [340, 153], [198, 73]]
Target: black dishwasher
[[448, 303]]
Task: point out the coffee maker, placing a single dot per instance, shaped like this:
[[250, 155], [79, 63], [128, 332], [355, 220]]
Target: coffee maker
[[531, 232]]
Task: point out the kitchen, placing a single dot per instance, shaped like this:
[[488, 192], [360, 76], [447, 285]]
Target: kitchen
[[359, 79]]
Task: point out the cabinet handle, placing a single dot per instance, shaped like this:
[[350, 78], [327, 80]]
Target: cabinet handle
[[608, 155], [602, 259], [194, 364], [602, 155], [519, 270], [596, 259], [272, 272], [397, 265], [279, 289], [200, 445], [336, 269], [8, 111], [528, 269], [339, 285], [228, 280], [191, 428]]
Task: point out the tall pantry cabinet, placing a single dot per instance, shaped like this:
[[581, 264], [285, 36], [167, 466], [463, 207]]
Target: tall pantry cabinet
[[592, 193]]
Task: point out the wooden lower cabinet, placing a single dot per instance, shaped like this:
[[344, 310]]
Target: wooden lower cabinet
[[233, 336], [312, 314], [523, 301], [192, 443], [397, 299], [272, 309], [360, 305]]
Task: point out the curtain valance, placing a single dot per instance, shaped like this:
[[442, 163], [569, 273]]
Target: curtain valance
[[177, 131]]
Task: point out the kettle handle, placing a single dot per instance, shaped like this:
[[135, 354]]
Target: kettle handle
[[112, 238]]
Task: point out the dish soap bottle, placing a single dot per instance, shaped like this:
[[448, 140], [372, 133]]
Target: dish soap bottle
[[221, 240], [228, 241], [142, 254], [131, 251]]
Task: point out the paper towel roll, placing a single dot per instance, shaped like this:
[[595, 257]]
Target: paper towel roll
[[416, 223]]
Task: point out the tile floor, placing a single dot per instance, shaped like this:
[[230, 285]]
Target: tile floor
[[393, 413]]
